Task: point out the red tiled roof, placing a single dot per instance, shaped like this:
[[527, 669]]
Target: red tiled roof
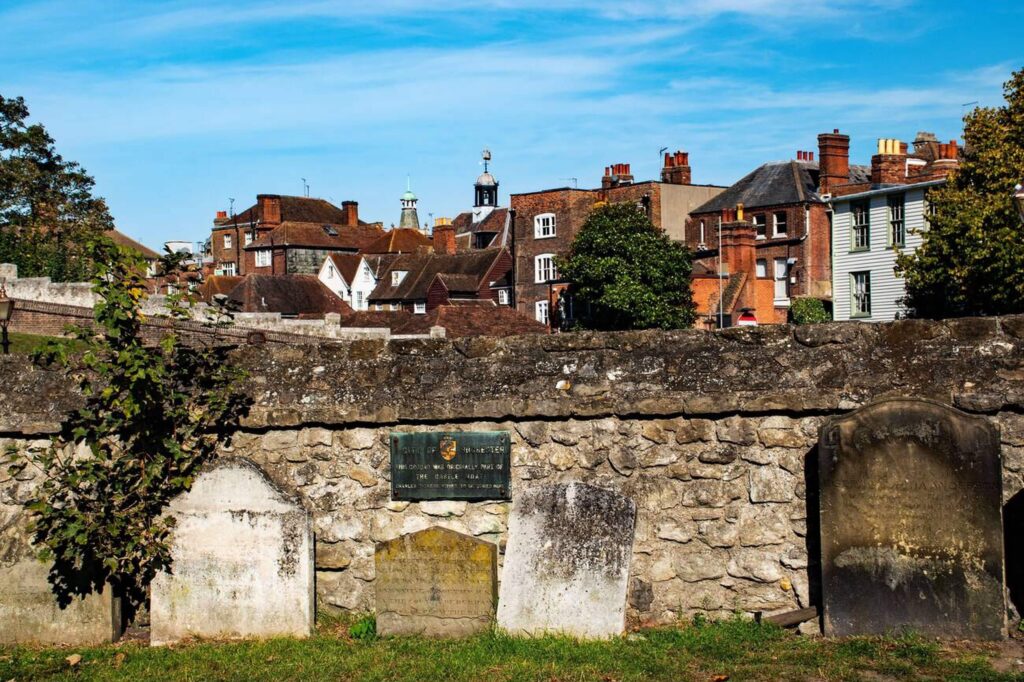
[[294, 209], [399, 240], [298, 295], [316, 236], [124, 241], [347, 265], [218, 284], [421, 269]]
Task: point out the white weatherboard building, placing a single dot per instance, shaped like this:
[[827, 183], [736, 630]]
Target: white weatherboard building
[[869, 229], [350, 277]]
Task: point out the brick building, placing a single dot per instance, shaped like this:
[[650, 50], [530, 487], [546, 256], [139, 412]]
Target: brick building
[[545, 223], [284, 230]]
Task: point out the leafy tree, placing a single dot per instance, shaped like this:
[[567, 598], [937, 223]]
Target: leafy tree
[[807, 310], [972, 258], [48, 214], [152, 416], [627, 274]]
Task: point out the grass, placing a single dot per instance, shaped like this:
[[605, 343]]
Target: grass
[[733, 650]]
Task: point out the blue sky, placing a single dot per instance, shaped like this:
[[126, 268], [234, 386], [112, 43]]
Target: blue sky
[[175, 106]]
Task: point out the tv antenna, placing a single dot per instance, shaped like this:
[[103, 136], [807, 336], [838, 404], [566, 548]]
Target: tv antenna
[[965, 105], [231, 206], [575, 182], [305, 187], [662, 151]]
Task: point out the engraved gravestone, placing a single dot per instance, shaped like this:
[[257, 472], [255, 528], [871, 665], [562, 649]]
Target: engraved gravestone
[[435, 583], [242, 553], [911, 524], [567, 562]]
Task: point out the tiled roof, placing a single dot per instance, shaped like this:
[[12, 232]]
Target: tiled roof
[[317, 235], [492, 222], [398, 240], [459, 284], [773, 184], [347, 265], [299, 295], [474, 320], [218, 284], [379, 263], [123, 240], [296, 210], [421, 269]]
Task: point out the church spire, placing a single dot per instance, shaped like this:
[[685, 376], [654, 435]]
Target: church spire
[[409, 216]]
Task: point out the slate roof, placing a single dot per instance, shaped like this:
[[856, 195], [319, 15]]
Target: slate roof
[[398, 240], [296, 210], [123, 240], [314, 235], [292, 295], [347, 265], [422, 268]]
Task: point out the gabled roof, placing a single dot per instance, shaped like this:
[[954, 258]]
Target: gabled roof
[[420, 270], [398, 240], [379, 263], [124, 241], [347, 265], [218, 284], [317, 235], [298, 295], [293, 209], [459, 284], [772, 184]]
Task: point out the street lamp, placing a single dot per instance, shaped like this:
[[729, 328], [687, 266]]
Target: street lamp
[[6, 311], [1018, 199]]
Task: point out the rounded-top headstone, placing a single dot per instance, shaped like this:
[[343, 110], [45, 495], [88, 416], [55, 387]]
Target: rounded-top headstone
[[567, 562], [911, 522], [242, 560]]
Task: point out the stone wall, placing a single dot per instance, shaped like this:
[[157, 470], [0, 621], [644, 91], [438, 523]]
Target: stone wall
[[712, 433]]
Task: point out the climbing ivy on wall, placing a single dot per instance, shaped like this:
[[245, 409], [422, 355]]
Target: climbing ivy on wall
[[153, 414]]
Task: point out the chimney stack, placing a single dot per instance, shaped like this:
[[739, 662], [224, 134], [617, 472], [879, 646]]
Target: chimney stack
[[833, 161], [350, 213], [444, 239], [619, 175], [889, 165], [221, 215], [269, 208], [677, 169]]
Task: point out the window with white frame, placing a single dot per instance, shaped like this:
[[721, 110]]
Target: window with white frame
[[860, 299], [331, 272], [897, 223], [503, 296], [247, 239], [761, 226], [378, 306], [419, 308], [860, 226], [544, 226], [540, 309], [544, 268], [700, 244], [779, 224], [263, 258], [227, 241], [359, 301], [762, 268], [228, 269], [396, 277]]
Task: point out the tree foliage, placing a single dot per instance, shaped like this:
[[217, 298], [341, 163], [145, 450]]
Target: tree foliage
[[627, 274], [152, 416], [48, 214], [806, 310], [972, 258]]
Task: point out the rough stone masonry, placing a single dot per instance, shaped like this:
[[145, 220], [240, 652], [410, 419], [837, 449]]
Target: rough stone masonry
[[709, 432]]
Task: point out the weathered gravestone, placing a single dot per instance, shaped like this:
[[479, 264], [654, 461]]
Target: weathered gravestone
[[436, 583], [30, 613], [911, 524], [567, 562], [242, 560]]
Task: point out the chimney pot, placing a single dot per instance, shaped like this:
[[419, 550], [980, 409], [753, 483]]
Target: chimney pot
[[222, 214], [810, 156], [669, 160]]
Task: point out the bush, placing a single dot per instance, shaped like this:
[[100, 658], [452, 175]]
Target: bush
[[808, 311], [365, 628]]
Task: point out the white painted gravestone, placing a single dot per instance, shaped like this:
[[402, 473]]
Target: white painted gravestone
[[242, 561], [567, 562]]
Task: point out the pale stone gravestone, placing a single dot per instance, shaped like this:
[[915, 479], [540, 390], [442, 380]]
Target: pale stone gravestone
[[436, 583], [30, 614], [242, 566], [567, 562], [911, 523]]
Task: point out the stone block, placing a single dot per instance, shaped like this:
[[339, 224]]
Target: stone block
[[567, 562], [242, 554], [435, 583]]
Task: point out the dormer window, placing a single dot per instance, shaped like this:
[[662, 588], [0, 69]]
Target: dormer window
[[544, 226], [330, 231], [397, 276]]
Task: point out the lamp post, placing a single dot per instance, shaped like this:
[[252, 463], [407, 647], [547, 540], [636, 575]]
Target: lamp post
[[6, 311], [1018, 200]]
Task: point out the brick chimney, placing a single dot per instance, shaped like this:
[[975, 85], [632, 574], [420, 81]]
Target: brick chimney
[[677, 169], [833, 161], [947, 159], [616, 175], [739, 255], [889, 165], [269, 208], [444, 239], [350, 213]]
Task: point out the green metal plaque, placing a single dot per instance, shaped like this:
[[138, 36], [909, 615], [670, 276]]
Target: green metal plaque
[[468, 465]]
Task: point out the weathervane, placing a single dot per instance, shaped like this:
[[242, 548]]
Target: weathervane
[[487, 158]]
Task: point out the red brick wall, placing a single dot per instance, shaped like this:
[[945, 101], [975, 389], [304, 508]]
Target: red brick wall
[[437, 295]]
